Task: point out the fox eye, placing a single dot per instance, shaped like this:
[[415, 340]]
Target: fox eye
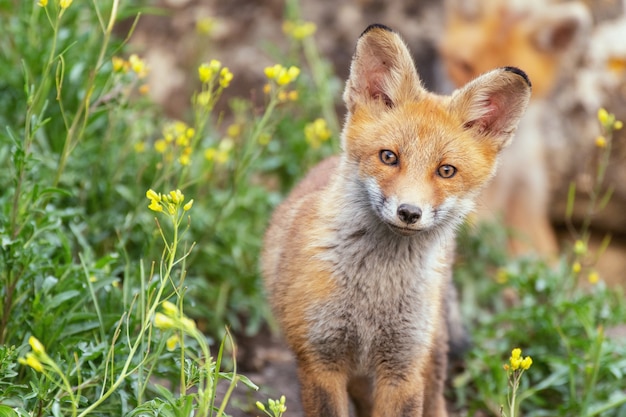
[[446, 171], [388, 157]]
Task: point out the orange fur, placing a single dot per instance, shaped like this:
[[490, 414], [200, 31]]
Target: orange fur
[[357, 260]]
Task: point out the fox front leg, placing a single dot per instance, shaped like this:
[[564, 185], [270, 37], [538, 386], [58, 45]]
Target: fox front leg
[[323, 391], [399, 394]]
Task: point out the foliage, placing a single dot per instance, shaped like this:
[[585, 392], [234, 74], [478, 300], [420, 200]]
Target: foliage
[[562, 314], [82, 142]]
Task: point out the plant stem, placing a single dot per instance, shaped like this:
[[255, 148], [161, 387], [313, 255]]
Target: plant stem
[[75, 131]]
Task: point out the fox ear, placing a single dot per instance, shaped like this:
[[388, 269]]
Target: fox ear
[[492, 104], [382, 70], [561, 27]]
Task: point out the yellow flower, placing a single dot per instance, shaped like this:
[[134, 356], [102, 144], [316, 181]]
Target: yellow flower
[[188, 324], [608, 120], [292, 95], [31, 361], [601, 142], [179, 127], [190, 132], [285, 76], [187, 206], [65, 4], [154, 206], [209, 154], [138, 66], [272, 72], [225, 77], [222, 153], [155, 201], [593, 277], [42, 3], [204, 98], [139, 147], [517, 361], [215, 65], [205, 25], [119, 64], [170, 309], [182, 140], [205, 73], [234, 130], [93, 279], [172, 342], [221, 156], [576, 267], [282, 75], [160, 146], [603, 116], [316, 132], [185, 157], [579, 247], [299, 30], [161, 321], [36, 346], [267, 88], [153, 195], [176, 197], [264, 138], [144, 89]]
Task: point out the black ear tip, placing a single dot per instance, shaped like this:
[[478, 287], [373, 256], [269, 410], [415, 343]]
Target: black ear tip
[[519, 72], [376, 26]]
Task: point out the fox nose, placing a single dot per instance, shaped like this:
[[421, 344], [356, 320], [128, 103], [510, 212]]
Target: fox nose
[[409, 214]]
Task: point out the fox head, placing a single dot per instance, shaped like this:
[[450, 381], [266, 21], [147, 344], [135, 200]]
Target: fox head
[[421, 158], [543, 37]]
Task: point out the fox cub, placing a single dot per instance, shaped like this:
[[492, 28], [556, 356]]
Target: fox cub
[[357, 260]]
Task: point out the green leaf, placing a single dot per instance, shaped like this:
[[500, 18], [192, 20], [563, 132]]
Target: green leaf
[[59, 299], [6, 411]]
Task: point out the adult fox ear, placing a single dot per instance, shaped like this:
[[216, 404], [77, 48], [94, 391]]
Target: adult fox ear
[[382, 70], [492, 104], [561, 27]]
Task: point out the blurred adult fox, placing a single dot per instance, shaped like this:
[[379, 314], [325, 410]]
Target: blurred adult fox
[[357, 260], [544, 37]]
